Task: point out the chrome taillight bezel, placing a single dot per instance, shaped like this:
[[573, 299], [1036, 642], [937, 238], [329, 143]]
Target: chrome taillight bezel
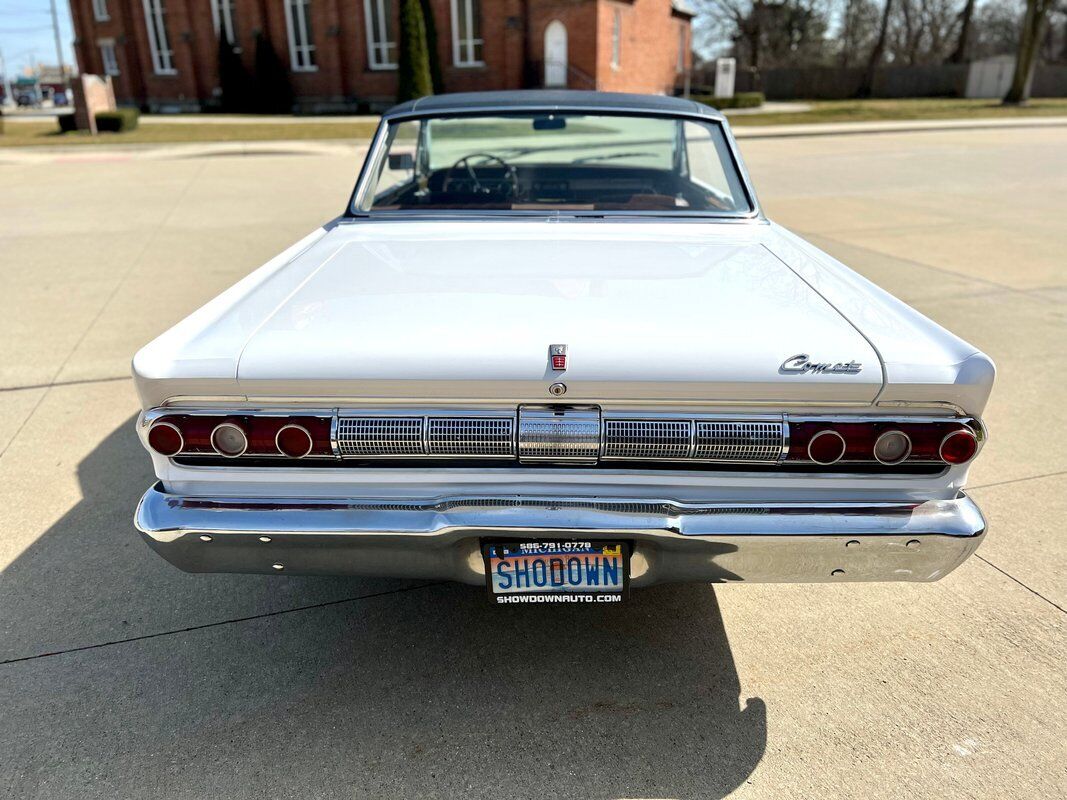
[[162, 423], [302, 429], [236, 427], [963, 432], [817, 436], [902, 459]]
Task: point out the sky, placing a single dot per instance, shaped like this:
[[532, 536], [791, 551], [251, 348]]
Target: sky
[[26, 33]]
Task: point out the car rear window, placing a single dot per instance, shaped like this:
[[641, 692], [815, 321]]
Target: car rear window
[[555, 162]]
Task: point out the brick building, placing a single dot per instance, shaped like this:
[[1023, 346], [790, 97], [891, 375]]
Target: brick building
[[342, 54]]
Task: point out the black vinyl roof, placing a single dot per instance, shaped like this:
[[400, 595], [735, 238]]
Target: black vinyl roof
[[551, 100]]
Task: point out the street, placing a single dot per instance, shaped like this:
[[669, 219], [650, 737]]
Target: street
[[121, 677]]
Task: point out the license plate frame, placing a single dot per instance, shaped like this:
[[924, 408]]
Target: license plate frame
[[596, 559]]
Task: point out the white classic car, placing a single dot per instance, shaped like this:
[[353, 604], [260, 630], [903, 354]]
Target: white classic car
[[553, 346]]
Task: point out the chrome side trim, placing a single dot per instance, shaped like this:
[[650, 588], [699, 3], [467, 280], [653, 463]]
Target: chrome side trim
[[956, 409]]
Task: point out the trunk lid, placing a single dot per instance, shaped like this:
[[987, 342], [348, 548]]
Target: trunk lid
[[449, 311]]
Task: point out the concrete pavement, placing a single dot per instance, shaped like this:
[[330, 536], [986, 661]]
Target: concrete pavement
[[121, 677]]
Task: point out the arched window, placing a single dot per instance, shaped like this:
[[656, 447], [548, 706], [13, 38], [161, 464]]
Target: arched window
[[556, 54]]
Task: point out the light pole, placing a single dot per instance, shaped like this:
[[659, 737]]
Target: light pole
[[59, 50], [8, 96]]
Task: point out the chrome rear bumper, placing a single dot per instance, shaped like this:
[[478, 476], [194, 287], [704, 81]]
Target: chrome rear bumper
[[439, 539]]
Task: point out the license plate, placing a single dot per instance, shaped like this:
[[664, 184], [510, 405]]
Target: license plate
[[556, 572]]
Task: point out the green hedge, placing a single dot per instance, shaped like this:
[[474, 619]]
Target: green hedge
[[120, 121], [66, 123], [739, 100]]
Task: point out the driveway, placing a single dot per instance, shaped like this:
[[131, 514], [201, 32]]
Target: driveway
[[124, 678]]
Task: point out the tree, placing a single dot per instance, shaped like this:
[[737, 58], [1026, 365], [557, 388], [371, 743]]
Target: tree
[[1029, 41], [859, 26], [771, 33], [271, 93], [867, 84], [431, 46], [234, 80], [415, 78], [962, 52]]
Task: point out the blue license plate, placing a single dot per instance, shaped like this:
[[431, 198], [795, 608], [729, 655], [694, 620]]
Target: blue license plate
[[556, 572]]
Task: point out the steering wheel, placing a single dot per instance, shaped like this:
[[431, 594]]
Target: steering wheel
[[465, 164]]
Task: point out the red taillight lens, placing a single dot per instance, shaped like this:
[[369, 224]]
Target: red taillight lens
[[826, 447], [293, 441], [240, 435], [889, 442], [959, 447], [165, 438]]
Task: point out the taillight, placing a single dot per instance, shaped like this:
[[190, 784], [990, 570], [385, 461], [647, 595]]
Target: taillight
[[165, 438], [892, 447], [241, 435], [229, 439], [874, 441], [293, 441], [826, 447], [958, 447]]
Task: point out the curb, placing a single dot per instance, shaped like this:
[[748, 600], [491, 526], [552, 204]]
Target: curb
[[42, 154], [903, 126], [47, 154]]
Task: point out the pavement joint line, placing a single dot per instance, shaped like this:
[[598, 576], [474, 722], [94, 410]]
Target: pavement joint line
[[1016, 480], [1012, 577], [985, 281], [220, 623], [103, 306], [77, 382], [134, 262]]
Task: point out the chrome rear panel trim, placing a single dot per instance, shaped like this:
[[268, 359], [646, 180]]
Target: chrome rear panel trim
[[559, 433]]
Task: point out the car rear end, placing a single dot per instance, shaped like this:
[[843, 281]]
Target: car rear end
[[691, 496]]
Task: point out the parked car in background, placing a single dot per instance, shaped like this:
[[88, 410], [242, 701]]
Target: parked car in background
[[554, 346]]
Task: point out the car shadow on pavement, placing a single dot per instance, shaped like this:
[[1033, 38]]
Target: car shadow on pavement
[[215, 685]]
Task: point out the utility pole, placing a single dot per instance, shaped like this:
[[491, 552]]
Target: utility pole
[[9, 98], [59, 47]]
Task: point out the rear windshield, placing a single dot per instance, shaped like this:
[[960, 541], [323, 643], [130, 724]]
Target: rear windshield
[[560, 162]]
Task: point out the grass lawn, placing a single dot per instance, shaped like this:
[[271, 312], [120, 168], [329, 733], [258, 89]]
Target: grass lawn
[[46, 132], [881, 110]]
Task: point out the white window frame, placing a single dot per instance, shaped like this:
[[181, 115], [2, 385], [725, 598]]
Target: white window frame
[[301, 48], [108, 57], [616, 40], [155, 18], [378, 44], [463, 49], [100, 11], [222, 18], [682, 39]]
